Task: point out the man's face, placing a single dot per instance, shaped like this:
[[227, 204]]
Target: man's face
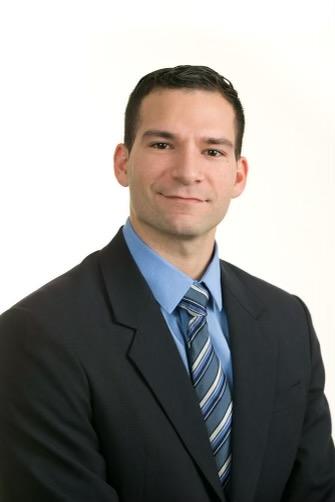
[[181, 171]]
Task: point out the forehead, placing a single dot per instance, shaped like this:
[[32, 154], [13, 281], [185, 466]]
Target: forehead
[[188, 109]]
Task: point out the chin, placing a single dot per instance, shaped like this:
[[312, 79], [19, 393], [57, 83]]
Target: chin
[[177, 227], [186, 230]]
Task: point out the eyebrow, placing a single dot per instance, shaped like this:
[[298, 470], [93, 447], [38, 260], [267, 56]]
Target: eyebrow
[[169, 135], [160, 134], [219, 141]]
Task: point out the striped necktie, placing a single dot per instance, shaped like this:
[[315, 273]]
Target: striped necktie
[[208, 378]]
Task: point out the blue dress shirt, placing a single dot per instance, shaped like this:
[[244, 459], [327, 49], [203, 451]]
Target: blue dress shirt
[[168, 286]]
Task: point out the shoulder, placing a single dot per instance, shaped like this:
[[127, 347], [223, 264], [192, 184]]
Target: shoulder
[[81, 285], [60, 311], [66, 290], [251, 283], [263, 296]]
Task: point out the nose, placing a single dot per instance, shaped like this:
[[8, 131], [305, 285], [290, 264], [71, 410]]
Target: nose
[[188, 167]]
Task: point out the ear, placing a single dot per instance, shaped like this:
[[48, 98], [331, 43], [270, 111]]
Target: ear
[[240, 176], [121, 156]]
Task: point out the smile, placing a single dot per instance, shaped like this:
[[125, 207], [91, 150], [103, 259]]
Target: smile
[[182, 198]]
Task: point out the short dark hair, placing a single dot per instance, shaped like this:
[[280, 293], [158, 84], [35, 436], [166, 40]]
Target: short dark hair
[[182, 77]]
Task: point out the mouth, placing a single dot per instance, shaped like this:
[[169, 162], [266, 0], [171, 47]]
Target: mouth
[[183, 198]]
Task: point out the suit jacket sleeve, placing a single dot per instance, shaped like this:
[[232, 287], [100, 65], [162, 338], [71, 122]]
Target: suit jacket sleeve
[[49, 449], [313, 474]]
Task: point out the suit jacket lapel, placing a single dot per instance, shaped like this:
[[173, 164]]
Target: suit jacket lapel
[[254, 354], [155, 355]]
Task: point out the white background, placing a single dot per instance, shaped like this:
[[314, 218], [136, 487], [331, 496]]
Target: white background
[[67, 68]]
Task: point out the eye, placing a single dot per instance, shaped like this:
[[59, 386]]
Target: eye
[[212, 152], [160, 145]]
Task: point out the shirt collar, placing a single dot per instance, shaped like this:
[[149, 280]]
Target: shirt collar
[[167, 283]]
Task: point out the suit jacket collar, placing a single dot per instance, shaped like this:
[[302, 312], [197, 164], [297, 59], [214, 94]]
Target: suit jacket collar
[[155, 355]]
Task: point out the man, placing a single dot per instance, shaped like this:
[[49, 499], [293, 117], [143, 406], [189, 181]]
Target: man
[[152, 371]]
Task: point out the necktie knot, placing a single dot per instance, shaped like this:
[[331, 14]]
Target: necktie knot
[[195, 300]]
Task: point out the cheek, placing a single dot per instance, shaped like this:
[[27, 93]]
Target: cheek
[[140, 189], [147, 180], [137, 177], [223, 183], [224, 190]]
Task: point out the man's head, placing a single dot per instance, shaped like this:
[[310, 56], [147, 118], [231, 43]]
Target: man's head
[[181, 165], [182, 77]]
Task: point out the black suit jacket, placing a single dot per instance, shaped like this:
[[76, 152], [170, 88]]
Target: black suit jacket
[[96, 405]]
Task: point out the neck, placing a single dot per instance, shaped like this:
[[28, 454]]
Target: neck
[[190, 255]]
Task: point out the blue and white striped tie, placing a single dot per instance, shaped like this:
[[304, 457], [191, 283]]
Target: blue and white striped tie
[[208, 378]]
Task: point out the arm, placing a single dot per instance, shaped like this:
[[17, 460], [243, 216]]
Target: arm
[[48, 446], [313, 475]]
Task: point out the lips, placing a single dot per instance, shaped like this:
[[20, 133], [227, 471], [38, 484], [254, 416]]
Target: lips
[[183, 198]]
